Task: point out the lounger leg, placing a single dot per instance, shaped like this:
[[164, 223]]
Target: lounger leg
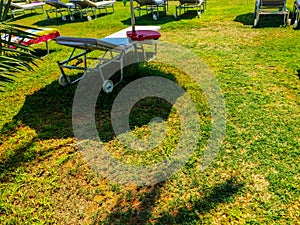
[[47, 47], [47, 15], [296, 13], [256, 16]]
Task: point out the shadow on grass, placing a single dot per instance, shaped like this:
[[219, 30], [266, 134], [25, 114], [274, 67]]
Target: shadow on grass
[[21, 17], [138, 209], [58, 21], [146, 20], [246, 19], [265, 21], [189, 14], [219, 194], [49, 112], [298, 73], [135, 208], [5, 79]]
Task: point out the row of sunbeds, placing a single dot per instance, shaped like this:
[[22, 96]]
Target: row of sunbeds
[[89, 7], [82, 7]]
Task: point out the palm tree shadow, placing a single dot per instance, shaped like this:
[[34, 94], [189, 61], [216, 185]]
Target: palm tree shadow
[[219, 194], [49, 112], [137, 208]]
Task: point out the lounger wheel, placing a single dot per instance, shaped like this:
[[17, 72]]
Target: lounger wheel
[[64, 18], [63, 80], [89, 18], [154, 17], [72, 18], [288, 22], [108, 86], [199, 14]]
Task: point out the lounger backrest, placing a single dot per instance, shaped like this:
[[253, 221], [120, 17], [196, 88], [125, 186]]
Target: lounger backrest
[[25, 6], [15, 6], [83, 3], [56, 3], [272, 3], [146, 2], [189, 1], [85, 43]]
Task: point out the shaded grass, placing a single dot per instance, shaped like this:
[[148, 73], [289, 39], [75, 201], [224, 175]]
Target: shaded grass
[[255, 178]]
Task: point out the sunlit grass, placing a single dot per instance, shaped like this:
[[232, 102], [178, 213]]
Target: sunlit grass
[[254, 179]]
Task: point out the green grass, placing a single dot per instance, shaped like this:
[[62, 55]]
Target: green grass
[[253, 180]]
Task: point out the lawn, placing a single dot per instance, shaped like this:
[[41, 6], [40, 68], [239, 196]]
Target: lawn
[[254, 179]]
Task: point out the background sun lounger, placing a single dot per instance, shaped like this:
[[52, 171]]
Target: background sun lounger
[[86, 6], [39, 35], [152, 6], [199, 5], [274, 7], [16, 8], [59, 7]]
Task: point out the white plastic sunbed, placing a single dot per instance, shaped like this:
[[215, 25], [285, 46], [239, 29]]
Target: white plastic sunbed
[[273, 7], [152, 6], [199, 5], [16, 8], [114, 49], [86, 6], [58, 7]]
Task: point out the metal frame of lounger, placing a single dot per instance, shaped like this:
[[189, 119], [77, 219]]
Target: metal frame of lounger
[[111, 53], [59, 7], [296, 13], [15, 8], [199, 5], [86, 6], [271, 7], [151, 6]]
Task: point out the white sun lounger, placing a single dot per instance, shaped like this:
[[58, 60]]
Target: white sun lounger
[[58, 7], [152, 6], [86, 6], [198, 5], [114, 49], [273, 7], [16, 8]]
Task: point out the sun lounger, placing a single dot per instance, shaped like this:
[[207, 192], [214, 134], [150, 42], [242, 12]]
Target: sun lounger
[[39, 35], [274, 7], [152, 6], [20, 8], [58, 7], [198, 5], [113, 49], [86, 6]]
